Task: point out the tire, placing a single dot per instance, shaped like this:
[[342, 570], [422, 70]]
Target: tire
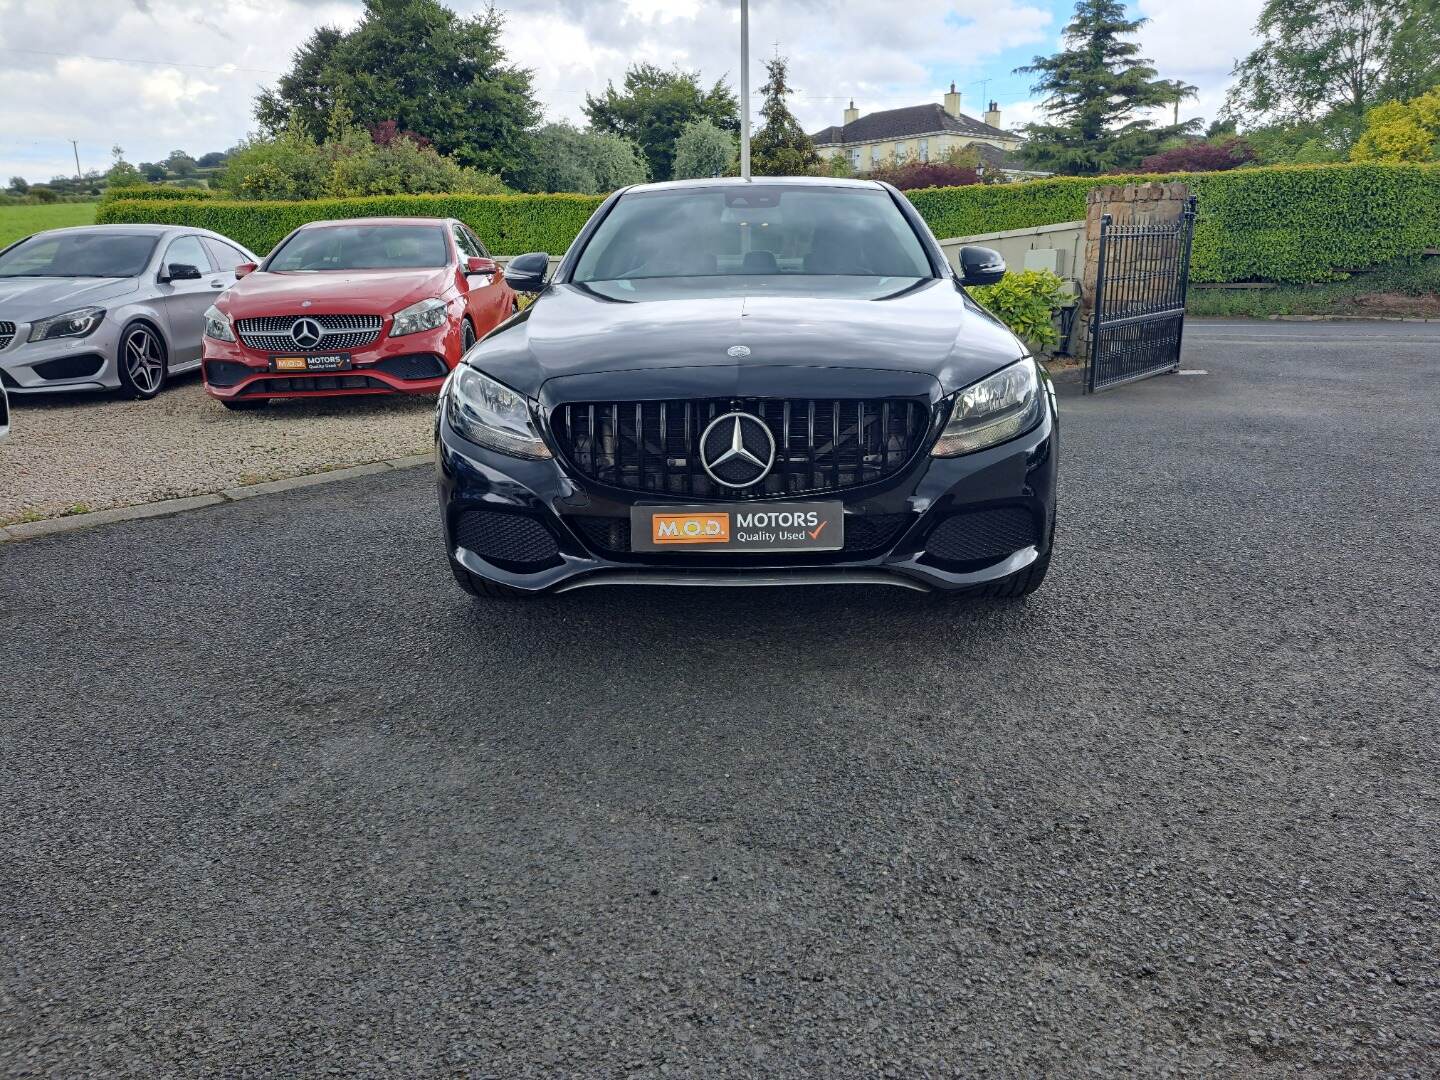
[[244, 404], [143, 361], [467, 337], [483, 589]]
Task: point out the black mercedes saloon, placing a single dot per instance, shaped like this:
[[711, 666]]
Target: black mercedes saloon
[[767, 382]]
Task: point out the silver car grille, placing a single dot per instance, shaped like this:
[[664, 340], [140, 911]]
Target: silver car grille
[[271, 333], [7, 333]]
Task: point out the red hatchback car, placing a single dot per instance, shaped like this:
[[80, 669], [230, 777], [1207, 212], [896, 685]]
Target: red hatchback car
[[364, 306]]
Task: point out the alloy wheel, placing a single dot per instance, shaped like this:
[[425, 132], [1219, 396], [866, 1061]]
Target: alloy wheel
[[144, 360]]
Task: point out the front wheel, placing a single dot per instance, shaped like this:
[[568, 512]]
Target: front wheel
[[142, 362]]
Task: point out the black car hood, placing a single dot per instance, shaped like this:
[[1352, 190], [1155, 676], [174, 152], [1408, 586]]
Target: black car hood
[[930, 330]]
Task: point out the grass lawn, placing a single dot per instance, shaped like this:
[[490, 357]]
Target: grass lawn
[[20, 221], [1398, 289]]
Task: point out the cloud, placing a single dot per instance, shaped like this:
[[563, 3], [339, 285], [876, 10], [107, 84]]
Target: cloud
[[178, 74]]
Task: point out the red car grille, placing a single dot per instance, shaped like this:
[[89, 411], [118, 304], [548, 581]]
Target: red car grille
[[273, 333]]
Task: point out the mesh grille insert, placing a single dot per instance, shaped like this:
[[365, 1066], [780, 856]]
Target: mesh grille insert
[[512, 540], [982, 535], [7, 332]]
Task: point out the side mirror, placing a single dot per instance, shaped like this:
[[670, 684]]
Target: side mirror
[[527, 273], [476, 265], [980, 266], [245, 268], [181, 272]]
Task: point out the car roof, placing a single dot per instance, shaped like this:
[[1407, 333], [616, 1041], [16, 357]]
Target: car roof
[[736, 181], [376, 221], [131, 230]]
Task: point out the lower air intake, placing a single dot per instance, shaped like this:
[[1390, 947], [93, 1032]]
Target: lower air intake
[[513, 541], [984, 535]]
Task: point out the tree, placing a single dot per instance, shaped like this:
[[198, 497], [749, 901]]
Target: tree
[[1336, 57], [780, 147], [1093, 91], [585, 162], [180, 163], [417, 63], [152, 171], [214, 159], [654, 108], [19, 185], [704, 149], [1225, 153], [122, 173], [1401, 131]]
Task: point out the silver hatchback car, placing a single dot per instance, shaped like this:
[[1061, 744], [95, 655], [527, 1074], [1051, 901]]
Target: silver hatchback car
[[105, 307]]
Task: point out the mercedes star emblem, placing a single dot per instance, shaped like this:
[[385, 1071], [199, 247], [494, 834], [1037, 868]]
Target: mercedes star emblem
[[737, 450], [306, 333], [738, 351]]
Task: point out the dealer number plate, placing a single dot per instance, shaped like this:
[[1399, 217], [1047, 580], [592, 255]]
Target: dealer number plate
[[325, 362], [809, 526]]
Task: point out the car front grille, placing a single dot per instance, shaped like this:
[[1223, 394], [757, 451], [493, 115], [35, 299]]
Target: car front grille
[[271, 333], [7, 333], [820, 444], [301, 384]]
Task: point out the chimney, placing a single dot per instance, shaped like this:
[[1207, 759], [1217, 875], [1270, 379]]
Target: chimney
[[992, 114], [852, 114], [952, 101]]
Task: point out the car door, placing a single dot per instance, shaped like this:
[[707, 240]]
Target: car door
[[184, 300], [488, 294]]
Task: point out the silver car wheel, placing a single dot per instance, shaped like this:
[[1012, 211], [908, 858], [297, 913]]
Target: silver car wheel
[[144, 360]]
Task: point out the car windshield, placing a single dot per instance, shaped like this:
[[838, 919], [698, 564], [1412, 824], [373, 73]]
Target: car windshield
[[362, 247], [757, 231], [82, 254]]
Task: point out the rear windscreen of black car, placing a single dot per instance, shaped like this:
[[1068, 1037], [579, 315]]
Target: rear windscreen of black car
[[757, 230], [363, 247], [79, 254]]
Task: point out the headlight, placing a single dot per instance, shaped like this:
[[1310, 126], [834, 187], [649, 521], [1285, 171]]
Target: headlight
[[426, 315], [217, 326], [996, 408], [71, 324], [491, 414]]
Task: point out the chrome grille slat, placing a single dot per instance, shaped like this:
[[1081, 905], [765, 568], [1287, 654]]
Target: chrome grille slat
[[825, 444], [271, 333]]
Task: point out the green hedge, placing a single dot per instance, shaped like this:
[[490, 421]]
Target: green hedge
[[153, 192], [506, 224], [1289, 223]]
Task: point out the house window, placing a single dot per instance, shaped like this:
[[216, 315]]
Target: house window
[[924, 149], [875, 156], [899, 152], [855, 159]]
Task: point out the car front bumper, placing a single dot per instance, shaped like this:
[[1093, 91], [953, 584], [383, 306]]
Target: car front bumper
[[413, 364], [997, 504], [61, 364]]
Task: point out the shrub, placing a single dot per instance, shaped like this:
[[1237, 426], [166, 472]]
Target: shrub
[[507, 224], [1202, 157], [154, 192], [1288, 223], [1026, 302]]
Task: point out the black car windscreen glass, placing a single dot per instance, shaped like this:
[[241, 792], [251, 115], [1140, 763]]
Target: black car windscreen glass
[[761, 232]]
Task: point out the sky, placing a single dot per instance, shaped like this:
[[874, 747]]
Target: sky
[[158, 75]]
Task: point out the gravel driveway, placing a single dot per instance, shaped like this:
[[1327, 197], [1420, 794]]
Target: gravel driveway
[[268, 814], [93, 451]]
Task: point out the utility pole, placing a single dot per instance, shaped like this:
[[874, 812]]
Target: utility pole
[[75, 145], [745, 89]]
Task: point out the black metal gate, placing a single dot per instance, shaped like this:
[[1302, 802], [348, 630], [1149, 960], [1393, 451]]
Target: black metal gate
[[1139, 311]]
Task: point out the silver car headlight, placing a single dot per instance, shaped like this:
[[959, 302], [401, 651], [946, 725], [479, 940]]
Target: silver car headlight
[[426, 315], [78, 323], [491, 414], [997, 408], [217, 326]]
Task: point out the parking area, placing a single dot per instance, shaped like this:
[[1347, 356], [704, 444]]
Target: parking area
[[72, 453], [283, 800]]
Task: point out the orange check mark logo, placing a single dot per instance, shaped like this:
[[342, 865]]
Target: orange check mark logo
[[815, 532]]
